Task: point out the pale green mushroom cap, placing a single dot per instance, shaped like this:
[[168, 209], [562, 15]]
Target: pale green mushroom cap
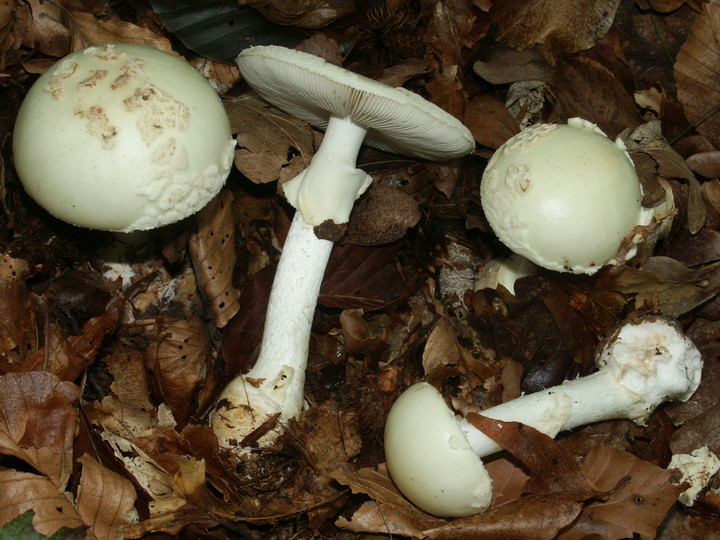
[[122, 137]]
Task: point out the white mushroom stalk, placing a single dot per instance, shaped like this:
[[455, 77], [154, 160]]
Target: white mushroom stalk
[[642, 365], [353, 110]]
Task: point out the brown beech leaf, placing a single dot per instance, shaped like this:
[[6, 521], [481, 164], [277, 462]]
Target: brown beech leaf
[[663, 6], [383, 215], [696, 73], [384, 519], [18, 324], [105, 500], [212, 250], [363, 277], [665, 285], [23, 491], [38, 418], [705, 164], [48, 30], [533, 517], [638, 506], [376, 483], [130, 378], [88, 30], [589, 90], [271, 145], [178, 355], [551, 469], [500, 64], [328, 437], [489, 120], [564, 27], [305, 13]]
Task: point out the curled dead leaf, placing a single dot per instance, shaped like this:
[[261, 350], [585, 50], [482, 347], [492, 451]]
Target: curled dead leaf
[[696, 73], [212, 249]]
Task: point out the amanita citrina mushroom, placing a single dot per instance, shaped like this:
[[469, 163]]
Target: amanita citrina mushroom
[[352, 110], [433, 457], [565, 197], [122, 137]]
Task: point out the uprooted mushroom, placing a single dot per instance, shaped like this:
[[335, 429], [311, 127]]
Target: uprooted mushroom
[[352, 110], [433, 457]]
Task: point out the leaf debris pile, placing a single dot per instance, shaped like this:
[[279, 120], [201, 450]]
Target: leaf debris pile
[[106, 379]]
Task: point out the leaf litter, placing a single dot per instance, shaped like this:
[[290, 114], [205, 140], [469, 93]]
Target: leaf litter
[[106, 381]]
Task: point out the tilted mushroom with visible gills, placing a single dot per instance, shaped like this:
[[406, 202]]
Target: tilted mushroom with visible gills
[[122, 138], [352, 109], [565, 197], [433, 457]]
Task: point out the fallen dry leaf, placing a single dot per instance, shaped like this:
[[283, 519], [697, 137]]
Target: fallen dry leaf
[[271, 145], [212, 250], [104, 500], [639, 505], [39, 418], [557, 28], [22, 491], [696, 72], [178, 357]]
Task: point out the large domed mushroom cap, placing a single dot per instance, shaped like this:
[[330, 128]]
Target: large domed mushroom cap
[[122, 137], [563, 196]]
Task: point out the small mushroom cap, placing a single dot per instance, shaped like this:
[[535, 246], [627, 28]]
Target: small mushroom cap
[[397, 120], [563, 196], [122, 137], [430, 459]]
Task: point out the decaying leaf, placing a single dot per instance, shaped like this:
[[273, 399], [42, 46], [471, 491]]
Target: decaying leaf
[[18, 336], [178, 356], [696, 72], [39, 415], [104, 500], [212, 249], [23, 491], [304, 14], [557, 28], [639, 505], [271, 145], [489, 121]]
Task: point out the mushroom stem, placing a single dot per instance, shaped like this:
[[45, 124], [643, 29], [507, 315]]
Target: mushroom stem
[[275, 383], [327, 189], [641, 366]]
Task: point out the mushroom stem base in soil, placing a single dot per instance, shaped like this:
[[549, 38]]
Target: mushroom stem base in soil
[[275, 384], [642, 365]]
